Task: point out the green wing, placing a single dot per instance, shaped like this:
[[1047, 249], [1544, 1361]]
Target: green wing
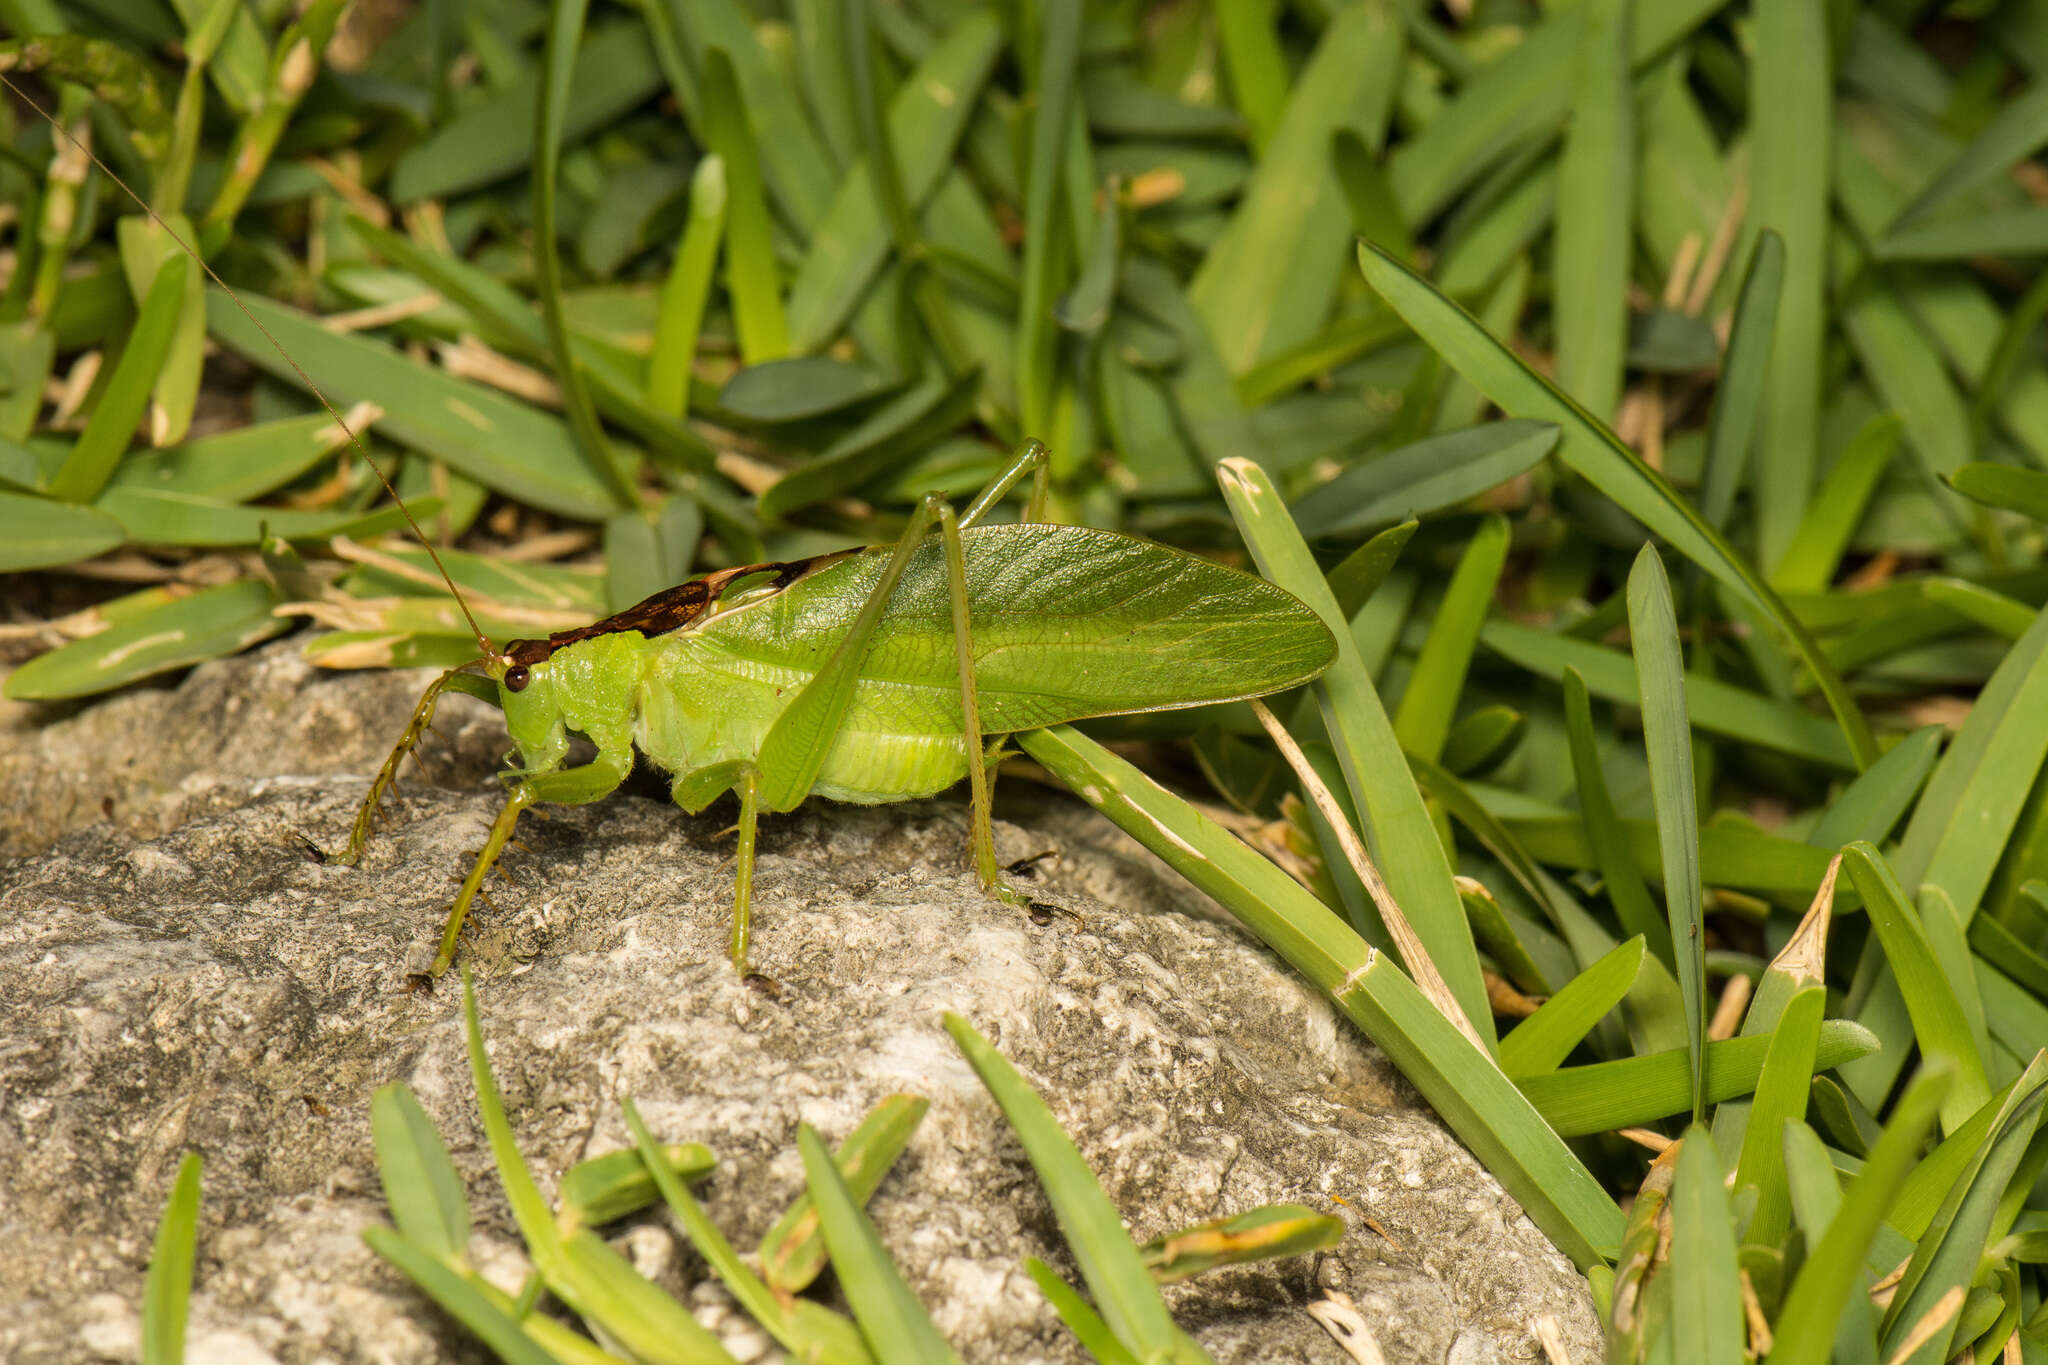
[[1068, 622]]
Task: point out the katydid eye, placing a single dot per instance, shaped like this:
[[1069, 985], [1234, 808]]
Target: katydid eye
[[516, 678]]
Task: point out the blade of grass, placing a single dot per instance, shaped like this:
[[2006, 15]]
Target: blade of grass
[[469, 1304], [558, 60], [496, 440], [889, 1314], [1718, 707], [1623, 880], [189, 630], [807, 1330], [1045, 249], [1816, 547], [1706, 1295], [1667, 740], [603, 1189], [1423, 477], [1997, 485], [1397, 826], [1732, 429], [1947, 1258], [1587, 446], [791, 1253], [167, 1290], [1595, 229], [1079, 1315], [1475, 1098], [2019, 130], [1806, 1324], [1940, 1027], [927, 119], [40, 533], [752, 279], [1109, 1263], [1542, 1041], [145, 247], [99, 447], [1601, 1096], [1292, 211], [1781, 1093], [421, 1186], [1423, 719], [1261, 1234], [1790, 77]]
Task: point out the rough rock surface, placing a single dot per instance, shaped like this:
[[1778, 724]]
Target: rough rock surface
[[179, 969]]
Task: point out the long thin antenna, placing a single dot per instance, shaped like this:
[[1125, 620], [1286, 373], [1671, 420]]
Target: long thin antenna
[[257, 322]]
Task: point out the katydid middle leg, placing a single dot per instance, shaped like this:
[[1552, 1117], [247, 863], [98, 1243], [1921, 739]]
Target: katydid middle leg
[[592, 781]]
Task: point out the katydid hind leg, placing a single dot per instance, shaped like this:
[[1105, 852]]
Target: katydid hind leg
[[796, 744], [1031, 459], [749, 788], [576, 786], [978, 777]]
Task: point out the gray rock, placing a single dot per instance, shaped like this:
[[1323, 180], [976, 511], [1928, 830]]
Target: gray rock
[[190, 974]]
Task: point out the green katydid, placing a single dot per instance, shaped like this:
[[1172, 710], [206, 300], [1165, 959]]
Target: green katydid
[[868, 675], [873, 675]]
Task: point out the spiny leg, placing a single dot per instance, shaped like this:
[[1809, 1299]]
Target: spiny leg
[[422, 718], [749, 788], [992, 879], [1031, 459], [567, 787]]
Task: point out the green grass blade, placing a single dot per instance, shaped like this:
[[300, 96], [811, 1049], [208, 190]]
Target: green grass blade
[[1833, 1269], [1587, 446], [1079, 1315], [927, 118], [184, 631], [1426, 476], [564, 31], [421, 1186], [1718, 707], [99, 447], [1398, 829], [1816, 548], [913, 419], [1732, 430], [1542, 1041], [2019, 131], [1706, 1296], [1110, 1264], [40, 533], [1946, 1259], [1667, 739], [1601, 1096], [603, 1189], [1781, 1093], [1423, 719], [889, 1314], [752, 277], [1474, 1097], [167, 1291], [792, 1252], [1045, 248], [498, 441], [1790, 79], [1872, 805], [145, 247], [1262, 1234], [1595, 232], [1940, 1027], [2002, 485], [1992, 610], [1292, 210], [1626, 890], [469, 1304], [2014, 232], [816, 1335]]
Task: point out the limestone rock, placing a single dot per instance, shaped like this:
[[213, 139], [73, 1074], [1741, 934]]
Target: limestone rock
[[191, 974]]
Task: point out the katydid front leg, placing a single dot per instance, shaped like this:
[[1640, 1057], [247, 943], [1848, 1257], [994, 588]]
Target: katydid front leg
[[455, 679], [592, 781]]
